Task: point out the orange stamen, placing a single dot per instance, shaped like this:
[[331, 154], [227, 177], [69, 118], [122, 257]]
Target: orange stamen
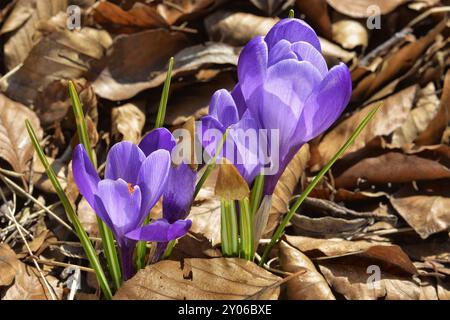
[[130, 188]]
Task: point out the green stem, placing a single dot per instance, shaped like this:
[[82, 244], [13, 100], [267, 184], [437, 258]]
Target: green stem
[[109, 247], [234, 231], [225, 229], [211, 166], [280, 230], [291, 13], [257, 194], [82, 235], [169, 249], [246, 224]]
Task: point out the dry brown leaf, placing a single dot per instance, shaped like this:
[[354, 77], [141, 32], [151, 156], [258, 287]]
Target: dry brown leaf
[[23, 21], [205, 212], [127, 74], [426, 213], [426, 109], [392, 115], [316, 12], [351, 275], [394, 65], [237, 28], [314, 247], [391, 167], [361, 8], [200, 279], [285, 188], [194, 246], [88, 218], [29, 285], [128, 121], [308, 286], [433, 133], [181, 10], [40, 179], [61, 54], [114, 18], [230, 185], [9, 263], [15, 145], [350, 34]]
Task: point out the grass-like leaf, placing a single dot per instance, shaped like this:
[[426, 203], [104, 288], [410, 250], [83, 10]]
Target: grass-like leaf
[[82, 235], [105, 233], [280, 230]]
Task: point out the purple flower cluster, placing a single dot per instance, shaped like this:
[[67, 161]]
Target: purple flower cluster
[[284, 85], [135, 179]]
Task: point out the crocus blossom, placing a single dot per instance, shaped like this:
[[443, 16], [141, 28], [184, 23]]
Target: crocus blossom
[[134, 181], [178, 193], [285, 85]]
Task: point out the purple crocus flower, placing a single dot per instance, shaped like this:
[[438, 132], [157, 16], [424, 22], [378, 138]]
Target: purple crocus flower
[[133, 183], [178, 194], [284, 84]]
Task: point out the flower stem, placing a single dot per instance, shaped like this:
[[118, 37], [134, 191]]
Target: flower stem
[[246, 227], [225, 229], [210, 166], [81, 233], [257, 194], [291, 13], [280, 230], [105, 233]]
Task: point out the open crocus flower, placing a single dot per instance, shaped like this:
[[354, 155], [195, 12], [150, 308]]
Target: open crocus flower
[[133, 183], [178, 193], [285, 85]]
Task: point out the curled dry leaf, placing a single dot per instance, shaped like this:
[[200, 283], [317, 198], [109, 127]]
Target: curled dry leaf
[[426, 109], [316, 12], [270, 6], [433, 133], [350, 34], [61, 54], [15, 146], [200, 279], [88, 218], [128, 121], [205, 212], [114, 18], [22, 26], [237, 28], [379, 272], [391, 167], [230, 185], [9, 263], [308, 286], [365, 8], [427, 212], [29, 285], [285, 188], [392, 115], [40, 179]]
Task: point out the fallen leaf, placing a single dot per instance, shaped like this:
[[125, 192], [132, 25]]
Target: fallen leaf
[[308, 286], [391, 116], [40, 178], [9, 263], [88, 218], [29, 285], [316, 12], [127, 121], [230, 185], [269, 6], [178, 11], [237, 28], [15, 145], [433, 133], [350, 34], [285, 188], [117, 20], [61, 54], [426, 212], [362, 8], [21, 26], [391, 167], [200, 279], [426, 109]]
